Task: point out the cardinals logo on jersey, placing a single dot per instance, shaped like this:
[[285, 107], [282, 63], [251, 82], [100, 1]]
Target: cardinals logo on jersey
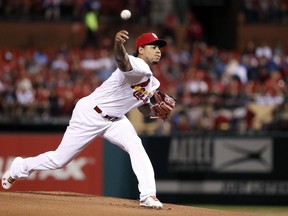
[[140, 92]]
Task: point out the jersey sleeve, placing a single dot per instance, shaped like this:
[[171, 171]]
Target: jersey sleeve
[[139, 67]]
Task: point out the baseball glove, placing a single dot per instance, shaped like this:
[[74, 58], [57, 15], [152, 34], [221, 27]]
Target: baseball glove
[[163, 106]]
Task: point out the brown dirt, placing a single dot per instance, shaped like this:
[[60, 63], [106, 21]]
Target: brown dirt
[[60, 203]]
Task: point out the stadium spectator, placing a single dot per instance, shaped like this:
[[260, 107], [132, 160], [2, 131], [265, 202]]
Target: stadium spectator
[[25, 96], [234, 70], [91, 23], [52, 9]]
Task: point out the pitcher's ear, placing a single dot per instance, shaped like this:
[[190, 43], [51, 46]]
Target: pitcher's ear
[[140, 50]]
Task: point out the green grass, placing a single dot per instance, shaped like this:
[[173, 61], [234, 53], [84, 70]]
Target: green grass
[[258, 210]]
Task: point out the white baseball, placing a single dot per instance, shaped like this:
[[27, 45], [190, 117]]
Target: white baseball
[[125, 14]]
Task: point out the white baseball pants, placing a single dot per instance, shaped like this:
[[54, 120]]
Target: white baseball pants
[[85, 125]]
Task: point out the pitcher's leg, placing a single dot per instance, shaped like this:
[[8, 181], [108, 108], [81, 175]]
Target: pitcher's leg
[[143, 169], [69, 147], [22, 168], [123, 134], [85, 125]]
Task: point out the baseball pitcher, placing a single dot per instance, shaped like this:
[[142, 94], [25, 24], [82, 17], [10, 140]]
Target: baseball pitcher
[[102, 113]]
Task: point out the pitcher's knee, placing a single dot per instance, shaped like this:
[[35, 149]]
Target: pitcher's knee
[[58, 161]]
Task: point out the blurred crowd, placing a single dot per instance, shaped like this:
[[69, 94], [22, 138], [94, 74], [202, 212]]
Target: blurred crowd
[[265, 11], [47, 83], [66, 10], [216, 90], [220, 90], [255, 11]]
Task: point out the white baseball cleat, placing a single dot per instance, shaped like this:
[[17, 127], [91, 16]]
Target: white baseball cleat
[[151, 202], [7, 180]]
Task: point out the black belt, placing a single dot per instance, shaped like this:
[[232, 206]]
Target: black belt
[[110, 118]]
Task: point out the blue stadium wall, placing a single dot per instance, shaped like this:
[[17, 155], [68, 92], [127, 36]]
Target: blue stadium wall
[[249, 170]]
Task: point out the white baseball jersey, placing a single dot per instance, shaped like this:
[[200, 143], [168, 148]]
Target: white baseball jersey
[[123, 91]]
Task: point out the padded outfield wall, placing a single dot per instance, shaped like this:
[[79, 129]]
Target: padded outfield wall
[[188, 169], [82, 175], [249, 170]]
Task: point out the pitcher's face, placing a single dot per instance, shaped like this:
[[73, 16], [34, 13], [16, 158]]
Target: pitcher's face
[[151, 54]]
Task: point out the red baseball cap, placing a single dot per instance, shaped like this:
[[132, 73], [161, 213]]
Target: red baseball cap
[[149, 38]]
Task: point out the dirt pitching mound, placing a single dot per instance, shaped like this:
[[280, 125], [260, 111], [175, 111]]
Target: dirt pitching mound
[[70, 204]]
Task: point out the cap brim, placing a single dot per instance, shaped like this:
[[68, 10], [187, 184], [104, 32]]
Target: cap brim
[[159, 42]]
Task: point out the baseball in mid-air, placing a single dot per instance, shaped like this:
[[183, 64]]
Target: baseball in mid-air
[[125, 14]]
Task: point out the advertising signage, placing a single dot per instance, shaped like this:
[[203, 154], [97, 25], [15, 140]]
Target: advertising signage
[[209, 169], [84, 174]]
